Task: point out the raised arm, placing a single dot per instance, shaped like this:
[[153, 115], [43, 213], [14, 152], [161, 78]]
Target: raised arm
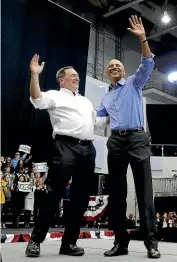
[[147, 63], [40, 100], [36, 69]]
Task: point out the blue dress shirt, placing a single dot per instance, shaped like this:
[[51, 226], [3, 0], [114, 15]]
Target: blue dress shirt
[[124, 102], [14, 161]]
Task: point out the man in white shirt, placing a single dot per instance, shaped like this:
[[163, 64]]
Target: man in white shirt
[[72, 117]]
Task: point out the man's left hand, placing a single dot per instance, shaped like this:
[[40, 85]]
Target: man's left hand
[[137, 27]]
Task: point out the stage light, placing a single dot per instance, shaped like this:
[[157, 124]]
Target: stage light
[[165, 18], [172, 77]]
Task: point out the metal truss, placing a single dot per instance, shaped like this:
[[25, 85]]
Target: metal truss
[[97, 69]]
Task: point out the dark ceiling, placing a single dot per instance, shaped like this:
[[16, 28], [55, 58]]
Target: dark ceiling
[[119, 21], [161, 2]]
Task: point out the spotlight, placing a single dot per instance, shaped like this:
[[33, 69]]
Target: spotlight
[[172, 77], [165, 18]]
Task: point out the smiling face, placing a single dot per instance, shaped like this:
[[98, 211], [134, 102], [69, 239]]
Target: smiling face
[[115, 71], [68, 78]]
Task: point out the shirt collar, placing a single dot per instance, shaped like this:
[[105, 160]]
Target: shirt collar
[[68, 91], [121, 82]]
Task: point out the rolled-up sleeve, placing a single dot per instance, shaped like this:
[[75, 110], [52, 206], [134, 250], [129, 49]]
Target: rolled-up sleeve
[[45, 101], [144, 71], [102, 111]]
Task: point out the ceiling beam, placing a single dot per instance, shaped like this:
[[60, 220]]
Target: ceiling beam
[[161, 33], [119, 9], [153, 17]]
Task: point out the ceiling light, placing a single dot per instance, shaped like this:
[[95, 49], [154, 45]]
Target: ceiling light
[[172, 77], [165, 18]]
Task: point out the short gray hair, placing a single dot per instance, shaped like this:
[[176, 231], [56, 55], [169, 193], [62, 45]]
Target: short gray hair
[[61, 72]]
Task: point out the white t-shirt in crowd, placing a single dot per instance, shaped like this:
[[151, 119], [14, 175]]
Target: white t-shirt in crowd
[[164, 224], [70, 115]]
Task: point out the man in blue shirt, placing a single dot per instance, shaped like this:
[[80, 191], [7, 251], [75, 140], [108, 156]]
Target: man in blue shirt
[[128, 143], [17, 158]]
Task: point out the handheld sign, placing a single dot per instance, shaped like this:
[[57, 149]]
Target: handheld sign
[[24, 148]]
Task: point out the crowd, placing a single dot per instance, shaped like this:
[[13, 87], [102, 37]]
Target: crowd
[[21, 188], [14, 199], [166, 220]]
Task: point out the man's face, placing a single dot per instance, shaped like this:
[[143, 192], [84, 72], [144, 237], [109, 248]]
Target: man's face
[[17, 155], [70, 80], [115, 70]]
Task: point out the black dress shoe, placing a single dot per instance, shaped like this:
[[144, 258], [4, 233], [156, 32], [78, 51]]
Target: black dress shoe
[[153, 253], [71, 250], [117, 250], [33, 249]]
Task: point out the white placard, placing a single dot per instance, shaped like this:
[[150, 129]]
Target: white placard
[[40, 167], [24, 148], [25, 186]]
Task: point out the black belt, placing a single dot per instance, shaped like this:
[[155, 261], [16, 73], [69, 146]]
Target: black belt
[[73, 139], [126, 131]]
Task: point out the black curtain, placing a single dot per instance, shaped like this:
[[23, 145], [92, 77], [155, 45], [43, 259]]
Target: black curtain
[[162, 121], [60, 38], [165, 204]]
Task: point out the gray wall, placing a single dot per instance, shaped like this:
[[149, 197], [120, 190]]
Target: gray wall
[[131, 58], [167, 63]]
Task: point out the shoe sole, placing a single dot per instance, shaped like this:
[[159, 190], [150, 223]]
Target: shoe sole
[[123, 254], [73, 254], [159, 256], [28, 254]]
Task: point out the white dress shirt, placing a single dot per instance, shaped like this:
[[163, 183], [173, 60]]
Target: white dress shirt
[[70, 115]]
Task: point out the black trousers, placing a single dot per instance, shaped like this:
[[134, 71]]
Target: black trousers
[[131, 148], [70, 159]]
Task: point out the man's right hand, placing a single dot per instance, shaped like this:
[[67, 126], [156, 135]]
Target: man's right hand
[[35, 68]]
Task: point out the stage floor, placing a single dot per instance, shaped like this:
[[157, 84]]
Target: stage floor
[[22, 230], [94, 250]]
